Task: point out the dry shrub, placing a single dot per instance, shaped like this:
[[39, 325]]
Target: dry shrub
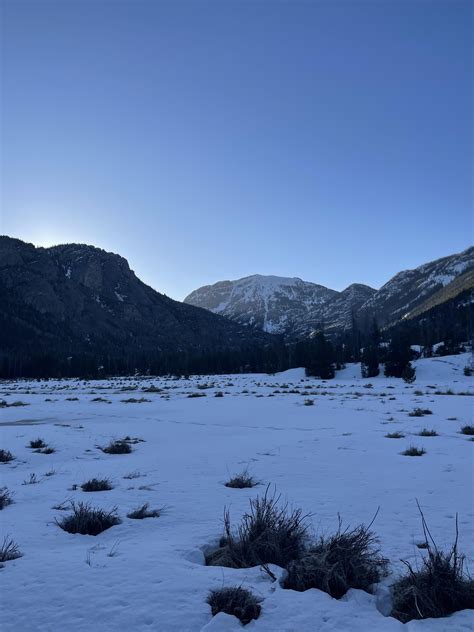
[[438, 588], [268, 534], [347, 559], [235, 601]]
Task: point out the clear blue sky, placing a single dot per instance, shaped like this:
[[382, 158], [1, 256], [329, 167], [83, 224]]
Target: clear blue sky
[[213, 140]]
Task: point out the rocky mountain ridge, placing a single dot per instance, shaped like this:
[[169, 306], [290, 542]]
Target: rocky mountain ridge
[[77, 300], [296, 308]]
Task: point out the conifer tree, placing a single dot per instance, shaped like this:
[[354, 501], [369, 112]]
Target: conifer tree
[[370, 357], [398, 355], [321, 357]]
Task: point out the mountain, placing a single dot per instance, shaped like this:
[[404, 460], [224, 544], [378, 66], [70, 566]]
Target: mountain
[[409, 290], [460, 286], [78, 310], [269, 303], [338, 313], [281, 305], [297, 308], [76, 302]]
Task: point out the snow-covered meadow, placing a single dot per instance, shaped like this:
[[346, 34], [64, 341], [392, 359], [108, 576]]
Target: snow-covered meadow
[[328, 458]]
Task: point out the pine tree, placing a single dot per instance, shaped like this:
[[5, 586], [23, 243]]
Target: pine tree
[[370, 357], [321, 357], [355, 342], [398, 355], [409, 374]]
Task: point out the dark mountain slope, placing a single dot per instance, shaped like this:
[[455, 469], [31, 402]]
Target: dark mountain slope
[[75, 301], [408, 290], [463, 284]]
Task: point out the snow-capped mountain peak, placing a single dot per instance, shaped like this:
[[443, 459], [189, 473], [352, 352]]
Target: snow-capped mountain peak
[[272, 303], [295, 307]]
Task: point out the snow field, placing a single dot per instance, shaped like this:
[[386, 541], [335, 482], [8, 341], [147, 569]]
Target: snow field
[[329, 458]]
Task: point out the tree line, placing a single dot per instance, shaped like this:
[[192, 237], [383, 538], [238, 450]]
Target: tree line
[[322, 354]]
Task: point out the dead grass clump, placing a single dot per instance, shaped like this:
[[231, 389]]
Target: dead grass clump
[[6, 456], [394, 435], [5, 497], [97, 485], [9, 550], [235, 601], [420, 412], [37, 444], [348, 559], [143, 512], [242, 481], [117, 447], [268, 534], [87, 520], [414, 451], [438, 588]]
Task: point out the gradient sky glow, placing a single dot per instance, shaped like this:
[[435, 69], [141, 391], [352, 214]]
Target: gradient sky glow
[[212, 140]]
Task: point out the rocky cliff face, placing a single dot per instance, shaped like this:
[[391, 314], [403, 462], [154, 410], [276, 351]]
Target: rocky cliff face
[[75, 298], [338, 313]]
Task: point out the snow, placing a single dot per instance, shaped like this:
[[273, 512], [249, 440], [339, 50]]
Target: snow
[[442, 370], [290, 374], [272, 301], [328, 458], [425, 280]]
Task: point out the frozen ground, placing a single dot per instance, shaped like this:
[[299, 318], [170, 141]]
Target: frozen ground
[[329, 458]]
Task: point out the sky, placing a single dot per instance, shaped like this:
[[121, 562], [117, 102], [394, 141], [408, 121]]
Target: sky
[[205, 141]]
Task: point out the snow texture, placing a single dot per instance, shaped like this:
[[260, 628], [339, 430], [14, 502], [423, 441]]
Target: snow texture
[[329, 458]]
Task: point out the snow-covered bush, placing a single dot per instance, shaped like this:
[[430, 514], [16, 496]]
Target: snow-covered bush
[[117, 447], [394, 435], [47, 450], [143, 512], [6, 456], [420, 412]]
